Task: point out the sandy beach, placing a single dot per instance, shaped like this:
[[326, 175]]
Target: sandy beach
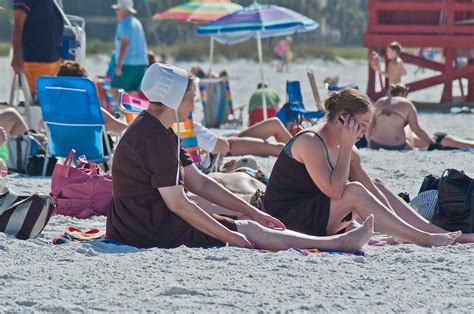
[[38, 276]]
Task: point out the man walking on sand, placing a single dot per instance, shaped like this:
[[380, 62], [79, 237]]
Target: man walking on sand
[[36, 39], [130, 49]]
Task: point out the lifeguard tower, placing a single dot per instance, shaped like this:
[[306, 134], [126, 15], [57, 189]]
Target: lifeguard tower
[[444, 24]]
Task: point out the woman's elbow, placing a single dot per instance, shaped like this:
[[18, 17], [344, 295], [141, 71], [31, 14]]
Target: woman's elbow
[[178, 206]]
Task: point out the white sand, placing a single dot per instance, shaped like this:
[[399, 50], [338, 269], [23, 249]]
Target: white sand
[[37, 276]]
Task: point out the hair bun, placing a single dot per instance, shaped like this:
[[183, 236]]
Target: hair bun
[[331, 101]]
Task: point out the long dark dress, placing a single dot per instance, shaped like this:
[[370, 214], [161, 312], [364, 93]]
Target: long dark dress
[[293, 197], [146, 159]]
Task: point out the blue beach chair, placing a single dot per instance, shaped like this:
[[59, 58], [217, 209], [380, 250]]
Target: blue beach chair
[[73, 118], [294, 112]]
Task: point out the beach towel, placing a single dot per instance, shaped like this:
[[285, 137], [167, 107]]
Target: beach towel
[[216, 101], [73, 234], [187, 134]]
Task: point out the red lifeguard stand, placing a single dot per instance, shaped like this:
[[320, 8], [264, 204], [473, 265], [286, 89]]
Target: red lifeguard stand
[[445, 24]]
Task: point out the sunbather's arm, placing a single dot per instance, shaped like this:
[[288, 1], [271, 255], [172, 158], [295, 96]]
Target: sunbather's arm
[[207, 188], [416, 128]]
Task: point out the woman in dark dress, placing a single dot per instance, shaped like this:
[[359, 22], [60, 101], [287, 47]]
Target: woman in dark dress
[[318, 185], [151, 177]]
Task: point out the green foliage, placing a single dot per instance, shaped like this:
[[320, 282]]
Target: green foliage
[[347, 16]]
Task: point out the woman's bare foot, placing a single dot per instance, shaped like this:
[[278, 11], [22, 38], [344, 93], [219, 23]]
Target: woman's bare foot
[[355, 239], [442, 239]]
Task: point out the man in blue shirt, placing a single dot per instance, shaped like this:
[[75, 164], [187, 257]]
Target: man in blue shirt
[[130, 49], [36, 40]]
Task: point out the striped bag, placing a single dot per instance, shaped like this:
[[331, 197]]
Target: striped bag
[[23, 216]]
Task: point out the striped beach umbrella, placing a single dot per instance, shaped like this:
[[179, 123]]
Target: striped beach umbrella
[[199, 11], [257, 21]]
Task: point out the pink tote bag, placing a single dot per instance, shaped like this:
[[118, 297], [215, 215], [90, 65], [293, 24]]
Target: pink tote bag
[[80, 191]]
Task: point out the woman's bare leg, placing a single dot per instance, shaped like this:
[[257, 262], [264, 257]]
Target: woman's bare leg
[[268, 128], [111, 123], [271, 239], [240, 146], [451, 141], [357, 197], [13, 122], [407, 213]]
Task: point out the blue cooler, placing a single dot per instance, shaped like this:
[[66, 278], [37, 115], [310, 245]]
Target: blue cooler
[[73, 39]]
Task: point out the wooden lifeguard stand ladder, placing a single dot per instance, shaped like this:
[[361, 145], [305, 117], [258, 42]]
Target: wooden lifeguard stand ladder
[[444, 24]]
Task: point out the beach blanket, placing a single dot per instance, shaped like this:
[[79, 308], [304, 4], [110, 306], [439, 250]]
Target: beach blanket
[[73, 234]]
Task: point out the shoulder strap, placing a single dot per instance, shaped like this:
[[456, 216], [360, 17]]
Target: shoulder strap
[[60, 9]]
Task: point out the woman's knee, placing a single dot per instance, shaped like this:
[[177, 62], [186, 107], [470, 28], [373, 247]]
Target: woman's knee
[[378, 182], [354, 191]]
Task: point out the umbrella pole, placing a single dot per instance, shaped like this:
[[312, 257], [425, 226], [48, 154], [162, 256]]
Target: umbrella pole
[[260, 59], [211, 54]]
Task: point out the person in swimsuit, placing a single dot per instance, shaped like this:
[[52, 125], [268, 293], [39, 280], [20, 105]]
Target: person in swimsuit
[[395, 126], [395, 67], [318, 184], [152, 175]]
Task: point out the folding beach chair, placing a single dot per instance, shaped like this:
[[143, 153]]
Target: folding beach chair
[[134, 105], [72, 114], [217, 104], [105, 96], [293, 114]]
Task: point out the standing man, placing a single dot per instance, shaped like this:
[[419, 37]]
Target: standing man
[[36, 40], [130, 49]]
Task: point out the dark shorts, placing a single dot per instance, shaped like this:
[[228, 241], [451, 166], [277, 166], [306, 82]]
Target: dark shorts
[[308, 215], [131, 78], [375, 145], [438, 137]]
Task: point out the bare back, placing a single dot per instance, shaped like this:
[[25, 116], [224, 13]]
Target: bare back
[[390, 118]]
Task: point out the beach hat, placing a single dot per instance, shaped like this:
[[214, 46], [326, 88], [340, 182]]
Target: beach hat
[[125, 4], [166, 84]]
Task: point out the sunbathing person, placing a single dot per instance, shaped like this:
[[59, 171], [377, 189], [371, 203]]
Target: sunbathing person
[[395, 126], [71, 68], [252, 141], [318, 184], [152, 173]]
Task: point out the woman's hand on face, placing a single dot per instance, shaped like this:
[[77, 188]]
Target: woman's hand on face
[[350, 131], [239, 240], [268, 221]]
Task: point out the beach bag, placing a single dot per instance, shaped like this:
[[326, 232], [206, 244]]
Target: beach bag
[[80, 191], [23, 216], [455, 207], [26, 155]]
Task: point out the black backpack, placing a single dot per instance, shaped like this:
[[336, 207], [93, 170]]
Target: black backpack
[[455, 208]]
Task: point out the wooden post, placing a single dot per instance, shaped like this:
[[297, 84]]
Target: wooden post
[[371, 84], [470, 84], [448, 68]]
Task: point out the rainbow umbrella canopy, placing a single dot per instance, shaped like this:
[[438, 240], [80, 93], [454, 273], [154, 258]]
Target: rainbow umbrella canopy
[[257, 21], [199, 11]]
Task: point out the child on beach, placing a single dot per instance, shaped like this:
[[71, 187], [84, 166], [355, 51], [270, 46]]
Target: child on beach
[[395, 68], [318, 184], [152, 175]]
